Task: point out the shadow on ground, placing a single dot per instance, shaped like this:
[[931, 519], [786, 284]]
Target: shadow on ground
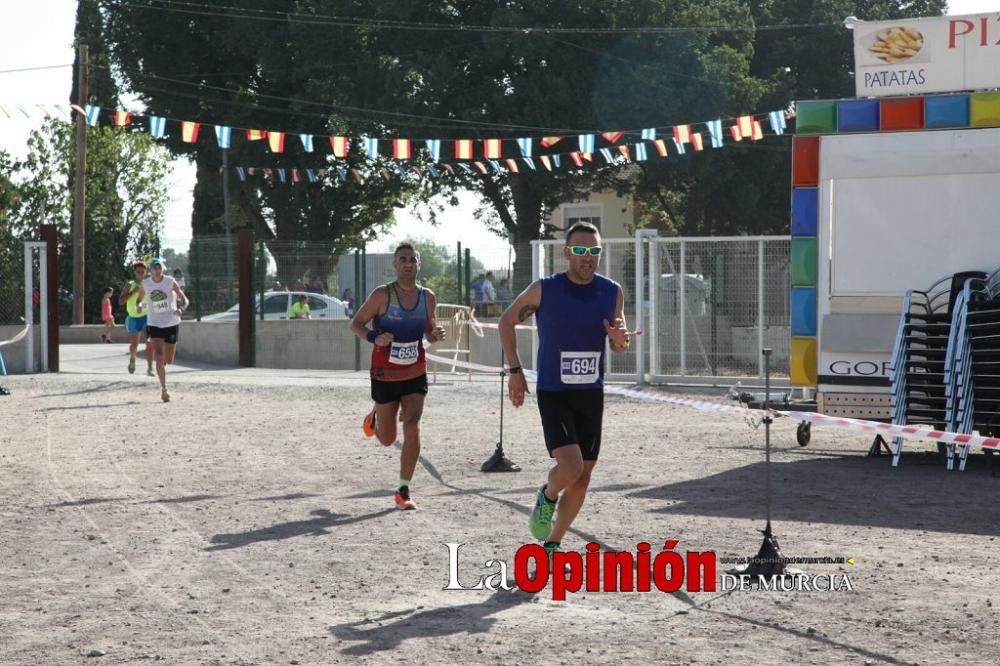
[[319, 525], [845, 490], [390, 630]]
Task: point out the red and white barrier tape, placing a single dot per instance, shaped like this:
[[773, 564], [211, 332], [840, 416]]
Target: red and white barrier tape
[[17, 338], [904, 431], [859, 425], [476, 324]]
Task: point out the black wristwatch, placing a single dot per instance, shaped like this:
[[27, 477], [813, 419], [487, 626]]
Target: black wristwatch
[[514, 371]]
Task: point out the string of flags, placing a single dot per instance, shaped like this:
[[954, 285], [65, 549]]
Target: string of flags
[[446, 157]]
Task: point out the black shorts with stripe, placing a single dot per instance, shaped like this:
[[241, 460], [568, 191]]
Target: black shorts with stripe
[[385, 392], [572, 417]]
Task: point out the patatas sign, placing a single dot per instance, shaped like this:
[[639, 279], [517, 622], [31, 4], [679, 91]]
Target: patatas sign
[[943, 54]]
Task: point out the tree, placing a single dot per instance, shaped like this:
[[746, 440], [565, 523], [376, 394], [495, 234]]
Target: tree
[[126, 199], [175, 259], [252, 74], [505, 83], [744, 188], [439, 269]]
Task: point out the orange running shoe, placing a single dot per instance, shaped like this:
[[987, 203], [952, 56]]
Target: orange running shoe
[[368, 426], [403, 500]]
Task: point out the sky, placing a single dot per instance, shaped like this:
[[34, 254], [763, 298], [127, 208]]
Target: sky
[[40, 33]]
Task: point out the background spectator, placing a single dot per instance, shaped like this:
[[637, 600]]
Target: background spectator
[[348, 297], [300, 309], [316, 286]]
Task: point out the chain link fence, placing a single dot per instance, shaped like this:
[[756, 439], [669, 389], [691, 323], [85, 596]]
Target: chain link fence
[[718, 302], [707, 305], [11, 283]]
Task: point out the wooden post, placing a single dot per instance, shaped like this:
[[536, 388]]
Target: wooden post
[[80, 197], [245, 258]]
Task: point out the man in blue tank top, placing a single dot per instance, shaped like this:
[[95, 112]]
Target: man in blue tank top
[[401, 316], [576, 312]]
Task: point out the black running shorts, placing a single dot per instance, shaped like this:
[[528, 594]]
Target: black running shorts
[[386, 392], [572, 417], [168, 334]]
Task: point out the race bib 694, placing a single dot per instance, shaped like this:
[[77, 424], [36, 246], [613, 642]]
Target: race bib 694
[[579, 367]]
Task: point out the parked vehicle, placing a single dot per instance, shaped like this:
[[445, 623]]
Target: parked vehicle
[[277, 305]]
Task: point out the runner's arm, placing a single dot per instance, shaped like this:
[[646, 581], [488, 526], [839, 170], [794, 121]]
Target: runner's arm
[[618, 331], [433, 333], [123, 294], [139, 301], [368, 311], [182, 296], [526, 304]]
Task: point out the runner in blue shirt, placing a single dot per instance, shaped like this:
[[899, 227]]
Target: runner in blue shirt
[[576, 312]]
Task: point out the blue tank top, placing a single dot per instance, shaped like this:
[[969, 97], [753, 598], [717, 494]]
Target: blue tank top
[[404, 358], [571, 336]]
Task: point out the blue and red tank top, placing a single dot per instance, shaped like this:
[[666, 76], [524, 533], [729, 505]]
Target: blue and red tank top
[[571, 335], [404, 358]]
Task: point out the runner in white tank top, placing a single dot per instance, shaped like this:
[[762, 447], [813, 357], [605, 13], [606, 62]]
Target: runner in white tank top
[[163, 300]]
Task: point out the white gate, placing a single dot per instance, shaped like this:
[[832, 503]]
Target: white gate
[[36, 360], [706, 306]]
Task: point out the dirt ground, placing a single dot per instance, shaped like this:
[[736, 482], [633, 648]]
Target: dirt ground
[[248, 522]]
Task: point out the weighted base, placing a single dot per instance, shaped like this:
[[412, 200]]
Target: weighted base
[[877, 447], [768, 562], [498, 462]]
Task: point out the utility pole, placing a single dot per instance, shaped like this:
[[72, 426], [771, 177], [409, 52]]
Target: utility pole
[[225, 208], [80, 197]]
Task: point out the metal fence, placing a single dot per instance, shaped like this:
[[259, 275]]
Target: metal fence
[[706, 306], [11, 283], [211, 273]]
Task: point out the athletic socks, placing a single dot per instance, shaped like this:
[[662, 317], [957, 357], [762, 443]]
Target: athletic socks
[[404, 483]]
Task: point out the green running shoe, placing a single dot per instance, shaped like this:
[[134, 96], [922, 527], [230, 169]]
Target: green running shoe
[[540, 522]]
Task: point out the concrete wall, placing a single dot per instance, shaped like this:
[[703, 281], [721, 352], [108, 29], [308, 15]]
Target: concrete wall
[[329, 345], [307, 345], [302, 345], [14, 355], [212, 342], [89, 333]]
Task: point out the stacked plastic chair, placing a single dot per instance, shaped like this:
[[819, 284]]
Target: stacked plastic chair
[[972, 369], [920, 353]]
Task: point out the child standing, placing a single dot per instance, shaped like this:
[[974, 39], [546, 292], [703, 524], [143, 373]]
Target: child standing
[[106, 316]]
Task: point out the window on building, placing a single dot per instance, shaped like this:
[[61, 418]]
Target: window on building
[[581, 213]]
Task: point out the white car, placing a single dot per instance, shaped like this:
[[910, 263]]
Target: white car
[[278, 304]]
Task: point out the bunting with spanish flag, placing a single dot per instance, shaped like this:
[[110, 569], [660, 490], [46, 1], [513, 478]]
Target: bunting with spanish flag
[[189, 131], [276, 141], [339, 145], [492, 148], [491, 161], [463, 149], [401, 149]]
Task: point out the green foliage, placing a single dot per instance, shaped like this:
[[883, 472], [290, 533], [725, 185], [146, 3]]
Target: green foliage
[[175, 259], [126, 201]]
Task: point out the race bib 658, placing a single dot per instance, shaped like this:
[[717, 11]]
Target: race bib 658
[[404, 353]]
